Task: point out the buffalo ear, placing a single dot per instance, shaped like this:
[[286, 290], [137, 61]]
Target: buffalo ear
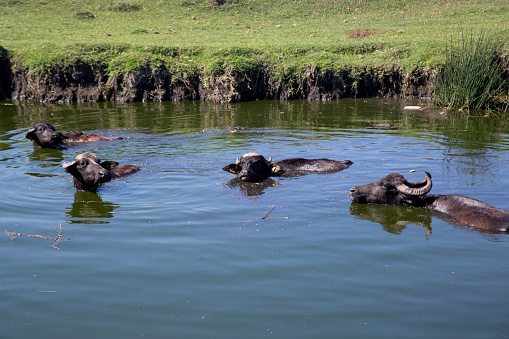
[[109, 164], [70, 167], [30, 135], [275, 169], [232, 168]]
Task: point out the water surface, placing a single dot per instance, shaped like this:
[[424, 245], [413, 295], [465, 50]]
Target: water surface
[[183, 250]]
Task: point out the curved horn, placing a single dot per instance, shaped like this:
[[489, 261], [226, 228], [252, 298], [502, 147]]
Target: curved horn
[[407, 190], [87, 155], [90, 156], [237, 161], [422, 183], [270, 159], [67, 164]]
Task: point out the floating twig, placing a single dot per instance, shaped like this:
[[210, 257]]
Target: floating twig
[[266, 216], [224, 184], [55, 241]]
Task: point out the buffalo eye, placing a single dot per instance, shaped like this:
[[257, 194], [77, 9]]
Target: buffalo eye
[[41, 129], [83, 163]]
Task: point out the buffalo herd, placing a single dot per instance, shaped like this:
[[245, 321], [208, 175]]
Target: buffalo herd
[[89, 172]]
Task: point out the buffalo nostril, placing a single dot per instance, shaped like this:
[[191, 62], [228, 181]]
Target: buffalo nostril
[[353, 190]]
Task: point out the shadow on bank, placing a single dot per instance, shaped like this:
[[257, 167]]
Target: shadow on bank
[[5, 75]]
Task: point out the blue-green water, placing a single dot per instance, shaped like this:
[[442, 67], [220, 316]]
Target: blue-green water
[[180, 250]]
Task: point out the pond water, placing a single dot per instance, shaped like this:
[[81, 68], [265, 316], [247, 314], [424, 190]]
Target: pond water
[[182, 250]]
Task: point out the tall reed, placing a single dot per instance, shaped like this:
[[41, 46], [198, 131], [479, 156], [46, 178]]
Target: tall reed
[[472, 76]]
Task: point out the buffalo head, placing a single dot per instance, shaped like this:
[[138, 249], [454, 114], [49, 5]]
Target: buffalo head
[[44, 135], [251, 167], [87, 171], [393, 189]]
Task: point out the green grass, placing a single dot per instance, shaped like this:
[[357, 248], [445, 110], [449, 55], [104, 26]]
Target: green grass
[[288, 36]]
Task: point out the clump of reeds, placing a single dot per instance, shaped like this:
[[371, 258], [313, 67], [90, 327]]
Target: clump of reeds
[[472, 76]]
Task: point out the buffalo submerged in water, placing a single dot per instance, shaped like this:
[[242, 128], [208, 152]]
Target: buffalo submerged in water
[[394, 189], [89, 172], [253, 167], [45, 136]]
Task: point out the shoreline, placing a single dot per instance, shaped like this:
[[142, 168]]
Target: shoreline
[[233, 51], [83, 82]]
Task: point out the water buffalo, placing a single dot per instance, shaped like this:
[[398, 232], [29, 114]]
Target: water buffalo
[[89, 172], [44, 135], [254, 167], [394, 189]]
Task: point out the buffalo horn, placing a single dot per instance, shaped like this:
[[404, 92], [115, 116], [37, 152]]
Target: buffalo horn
[[407, 190], [90, 156], [67, 164]]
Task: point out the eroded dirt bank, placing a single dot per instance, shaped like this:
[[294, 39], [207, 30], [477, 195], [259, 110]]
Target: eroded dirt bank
[[91, 83]]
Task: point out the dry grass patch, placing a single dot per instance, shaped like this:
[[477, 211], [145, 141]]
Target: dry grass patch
[[360, 33]]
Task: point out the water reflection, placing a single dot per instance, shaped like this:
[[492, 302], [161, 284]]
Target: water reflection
[[46, 155], [4, 146], [394, 219], [382, 114], [88, 208], [251, 189]]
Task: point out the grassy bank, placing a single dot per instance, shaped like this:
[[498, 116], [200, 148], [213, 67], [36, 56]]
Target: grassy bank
[[212, 38]]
